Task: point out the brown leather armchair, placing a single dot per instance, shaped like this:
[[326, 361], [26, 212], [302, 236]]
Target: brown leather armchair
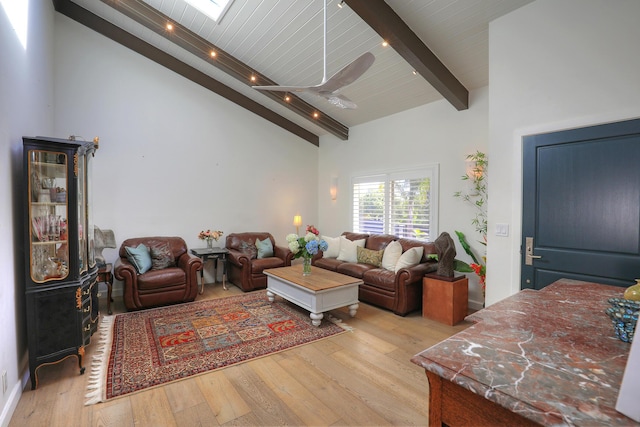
[[245, 269], [174, 284]]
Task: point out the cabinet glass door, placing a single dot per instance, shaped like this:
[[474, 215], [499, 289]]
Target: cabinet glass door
[[90, 223], [48, 213], [82, 215]]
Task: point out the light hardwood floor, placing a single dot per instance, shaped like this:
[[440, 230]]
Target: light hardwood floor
[[363, 377]]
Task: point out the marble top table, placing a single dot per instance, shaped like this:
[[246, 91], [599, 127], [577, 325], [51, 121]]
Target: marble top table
[[548, 357]]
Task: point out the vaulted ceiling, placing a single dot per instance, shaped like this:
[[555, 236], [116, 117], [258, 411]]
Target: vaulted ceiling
[[436, 49]]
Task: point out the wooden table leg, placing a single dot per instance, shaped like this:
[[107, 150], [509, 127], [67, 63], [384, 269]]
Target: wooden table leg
[[435, 399]]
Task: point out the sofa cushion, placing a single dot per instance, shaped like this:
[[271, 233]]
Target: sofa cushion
[[354, 269], [348, 249], [355, 236], [249, 249], [264, 247], [377, 242], [391, 256], [261, 264], [161, 256], [380, 278], [139, 257], [327, 263], [333, 249], [429, 247], [368, 256], [158, 279], [410, 258]]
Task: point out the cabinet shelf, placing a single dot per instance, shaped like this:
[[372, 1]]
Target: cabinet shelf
[[47, 204], [48, 242], [53, 170]]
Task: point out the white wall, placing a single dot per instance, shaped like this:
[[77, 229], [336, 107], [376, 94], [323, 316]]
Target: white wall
[[25, 109], [175, 158], [553, 65], [435, 133]]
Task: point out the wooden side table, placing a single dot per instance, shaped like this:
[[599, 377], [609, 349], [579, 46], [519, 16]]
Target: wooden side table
[[445, 299], [105, 274]]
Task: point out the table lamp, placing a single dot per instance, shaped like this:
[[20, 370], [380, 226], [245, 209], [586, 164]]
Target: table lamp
[[297, 222]]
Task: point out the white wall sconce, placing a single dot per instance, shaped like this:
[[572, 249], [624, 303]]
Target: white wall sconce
[[333, 188]]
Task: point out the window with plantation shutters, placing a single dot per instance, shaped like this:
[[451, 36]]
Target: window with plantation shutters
[[401, 203]]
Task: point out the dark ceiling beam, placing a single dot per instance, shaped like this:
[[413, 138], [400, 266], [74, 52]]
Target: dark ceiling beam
[[90, 20], [383, 19]]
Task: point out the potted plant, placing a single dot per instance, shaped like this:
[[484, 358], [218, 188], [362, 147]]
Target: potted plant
[[477, 197]]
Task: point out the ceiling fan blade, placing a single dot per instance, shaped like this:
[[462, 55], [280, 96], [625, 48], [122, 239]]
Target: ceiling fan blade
[[348, 74], [328, 88], [341, 101]]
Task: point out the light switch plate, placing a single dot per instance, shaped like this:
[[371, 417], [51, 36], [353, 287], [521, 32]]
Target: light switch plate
[[502, 230]]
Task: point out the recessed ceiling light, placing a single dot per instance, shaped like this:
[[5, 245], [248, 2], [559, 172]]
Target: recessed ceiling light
[[385, 43], [253, 78], [213, 54], [316, 115], [169, 26], [287, 98]]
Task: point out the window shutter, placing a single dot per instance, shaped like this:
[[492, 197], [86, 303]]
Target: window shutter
[[402, 203], [369, 195], [409, 213]]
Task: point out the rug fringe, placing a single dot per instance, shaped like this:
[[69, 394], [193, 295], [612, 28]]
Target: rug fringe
[[100, 361], [338, 322]]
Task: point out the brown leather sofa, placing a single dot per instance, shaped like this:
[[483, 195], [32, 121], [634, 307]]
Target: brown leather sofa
[[244, 268], [176, 283], [400, 292]]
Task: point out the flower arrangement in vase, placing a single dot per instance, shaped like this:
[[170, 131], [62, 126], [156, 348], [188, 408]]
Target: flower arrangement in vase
[[306, 246], [210, 236]]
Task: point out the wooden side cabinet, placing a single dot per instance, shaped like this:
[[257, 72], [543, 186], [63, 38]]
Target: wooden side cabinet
[[445, 299], [59, 259]]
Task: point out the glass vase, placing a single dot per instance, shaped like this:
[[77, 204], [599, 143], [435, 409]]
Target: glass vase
[[209, 243], [306, 266]]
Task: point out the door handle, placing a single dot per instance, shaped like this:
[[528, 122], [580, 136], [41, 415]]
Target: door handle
[[528, 254]]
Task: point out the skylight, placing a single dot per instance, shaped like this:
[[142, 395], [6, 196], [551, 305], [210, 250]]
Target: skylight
[[214, 9]]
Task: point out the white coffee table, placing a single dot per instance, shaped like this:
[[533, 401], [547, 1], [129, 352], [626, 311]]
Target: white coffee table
[[321, 291]]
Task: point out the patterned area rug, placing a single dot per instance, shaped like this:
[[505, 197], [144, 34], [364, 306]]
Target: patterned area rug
[[148, 348]]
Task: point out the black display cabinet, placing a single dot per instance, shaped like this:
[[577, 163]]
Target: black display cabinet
[[60, 269]]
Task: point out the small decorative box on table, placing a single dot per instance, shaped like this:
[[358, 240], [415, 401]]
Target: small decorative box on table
[[445, 299]]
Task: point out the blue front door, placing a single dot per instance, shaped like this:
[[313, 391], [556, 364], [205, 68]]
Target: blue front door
[[581, 205]]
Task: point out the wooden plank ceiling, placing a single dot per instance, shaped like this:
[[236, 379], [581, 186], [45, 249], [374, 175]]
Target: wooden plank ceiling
[[280, 42]]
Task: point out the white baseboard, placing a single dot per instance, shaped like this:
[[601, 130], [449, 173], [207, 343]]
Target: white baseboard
[[12, 404]]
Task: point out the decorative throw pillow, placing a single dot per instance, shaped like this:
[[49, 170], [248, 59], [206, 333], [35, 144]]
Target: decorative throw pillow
[[391, 255], [368, 256], [410, 258], [348, 249], [249, 249], [139, 257], [333, 249], [265, 248], [161, 256]]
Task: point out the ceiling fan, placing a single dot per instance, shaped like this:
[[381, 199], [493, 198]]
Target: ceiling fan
[[329, 88]]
